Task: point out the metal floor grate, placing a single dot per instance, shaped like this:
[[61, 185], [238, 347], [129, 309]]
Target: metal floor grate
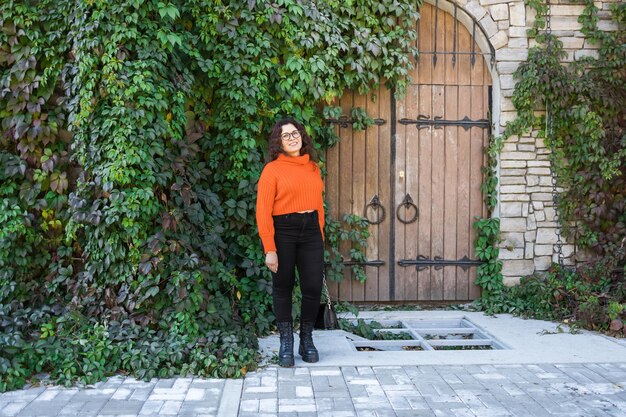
[[424, 335]]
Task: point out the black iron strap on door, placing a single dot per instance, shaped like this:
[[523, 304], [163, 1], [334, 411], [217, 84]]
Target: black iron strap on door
[[345, 121], [439, 122], [408, 206], [422, 262], [378, 208]]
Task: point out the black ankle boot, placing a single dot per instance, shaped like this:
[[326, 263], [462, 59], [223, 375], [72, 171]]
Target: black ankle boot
[[307, 349], [285, 354]]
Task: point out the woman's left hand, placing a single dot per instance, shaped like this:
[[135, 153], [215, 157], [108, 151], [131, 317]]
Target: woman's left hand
[[271, 261]]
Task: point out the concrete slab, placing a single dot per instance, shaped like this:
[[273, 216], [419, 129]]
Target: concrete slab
[[530, 342]]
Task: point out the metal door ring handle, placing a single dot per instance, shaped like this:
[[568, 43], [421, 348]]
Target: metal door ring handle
[[407, 204], [375, 204]]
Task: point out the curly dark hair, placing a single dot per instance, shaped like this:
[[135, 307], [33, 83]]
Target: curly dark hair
[[275, 142]]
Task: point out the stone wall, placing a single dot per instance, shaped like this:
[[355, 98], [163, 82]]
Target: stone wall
[[526, 208]]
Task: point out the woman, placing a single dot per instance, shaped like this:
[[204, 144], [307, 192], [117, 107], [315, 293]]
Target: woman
[[290, 218]]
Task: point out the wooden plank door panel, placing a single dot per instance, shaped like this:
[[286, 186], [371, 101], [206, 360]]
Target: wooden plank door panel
[[438, 167]]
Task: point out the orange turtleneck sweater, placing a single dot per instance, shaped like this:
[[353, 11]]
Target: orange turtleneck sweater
[[288, 184]]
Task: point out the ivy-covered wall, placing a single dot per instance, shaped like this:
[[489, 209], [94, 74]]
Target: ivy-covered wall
[[133, 135], [525, 204]]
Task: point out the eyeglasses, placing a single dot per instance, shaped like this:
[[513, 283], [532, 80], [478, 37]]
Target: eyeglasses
[[287, 136]]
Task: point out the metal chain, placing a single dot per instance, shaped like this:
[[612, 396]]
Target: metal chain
[[326, 293], [549, 135]]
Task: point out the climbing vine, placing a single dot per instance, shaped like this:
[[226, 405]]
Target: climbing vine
[[585, 104], [133, 135]]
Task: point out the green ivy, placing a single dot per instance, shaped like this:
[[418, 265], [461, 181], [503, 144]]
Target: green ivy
[[584, 102], [133, 135], [354, 231]]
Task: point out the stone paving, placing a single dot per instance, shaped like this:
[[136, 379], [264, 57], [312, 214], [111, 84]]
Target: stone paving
[[525, 390]]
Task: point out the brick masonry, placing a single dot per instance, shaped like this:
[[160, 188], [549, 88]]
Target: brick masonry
[[526, 206]]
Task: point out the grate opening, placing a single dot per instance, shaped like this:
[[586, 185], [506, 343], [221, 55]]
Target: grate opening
[[425, 335]]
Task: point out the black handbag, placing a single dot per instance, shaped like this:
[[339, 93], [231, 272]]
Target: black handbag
[[326, 315]]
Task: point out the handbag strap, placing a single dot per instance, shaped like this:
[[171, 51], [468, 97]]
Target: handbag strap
[[326, 293]]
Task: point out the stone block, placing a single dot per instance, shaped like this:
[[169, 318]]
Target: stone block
[[539, 163], [526, 209], [566, 23], [550, 213], [518, 13], [507, 116], [531, 223], [585, 53], [537, 205], [526, 148], [541, 196], [516, 224], [607, 26], [540, 216], [511, 54], [529, 250], [545, 236], [489, 25], [503, 25], [513, 189], [515, 197], [518, 32], [542, 263], [512, 180], [565, 33], [530, 236], [510, 281], [538, 171], [566, 10], [540, 143], [531, 14], [507, 105], [547, 181], [509, 147], [589, 44], [518, 268], [499, 39], [510, 209], [507, 93], [512, 139], [568, 250], [571, 42], [507, 67], [527, 139], [507, 81], [525, 156], [511, 239], [490, 2], [532, 180], [517, 253], [499, 12], [512, 164], [543, 250], [475, 9], [512, 172]]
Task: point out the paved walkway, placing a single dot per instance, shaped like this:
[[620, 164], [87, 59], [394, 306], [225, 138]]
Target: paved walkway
[[543, 371], [460, 390]]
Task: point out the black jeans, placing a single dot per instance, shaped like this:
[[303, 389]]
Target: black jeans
[[299, 244]]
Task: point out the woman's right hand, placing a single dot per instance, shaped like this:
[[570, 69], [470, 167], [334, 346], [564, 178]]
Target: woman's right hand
[[271, 261]]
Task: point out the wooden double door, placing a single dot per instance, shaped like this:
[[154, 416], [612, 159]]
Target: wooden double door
[[416, 173]]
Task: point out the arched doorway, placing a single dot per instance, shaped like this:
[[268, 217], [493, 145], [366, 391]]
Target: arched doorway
[[421, 163]]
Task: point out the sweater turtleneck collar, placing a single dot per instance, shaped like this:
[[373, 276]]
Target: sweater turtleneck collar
[[300, 160]]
